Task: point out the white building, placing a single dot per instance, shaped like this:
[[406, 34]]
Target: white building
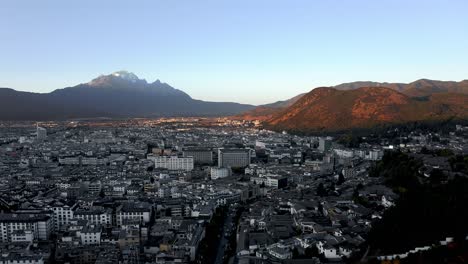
[[41, 133], [40, 225], [274, 181], [172, 162], [90, 235], [375, 154], [344, 153], [333, 252], [280, 252], [14, 258], [95, 215], [22, 236], [217, 173], [63, 213], [325, 144], [141, 212]]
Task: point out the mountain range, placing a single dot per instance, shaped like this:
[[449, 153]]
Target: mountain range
[[364, 105], [346, 106], [266, 111], [118, 95]]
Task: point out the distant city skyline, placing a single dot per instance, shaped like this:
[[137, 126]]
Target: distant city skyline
[[241, 51]]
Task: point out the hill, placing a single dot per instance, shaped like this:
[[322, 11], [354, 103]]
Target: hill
[[334, 110], [266, 111]]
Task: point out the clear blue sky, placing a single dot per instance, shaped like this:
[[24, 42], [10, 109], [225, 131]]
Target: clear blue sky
[[249, 51]]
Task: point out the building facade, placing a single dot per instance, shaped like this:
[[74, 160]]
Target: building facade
[[199, 155], [172, 162], [233, 158], [217, 173], [41, 225]]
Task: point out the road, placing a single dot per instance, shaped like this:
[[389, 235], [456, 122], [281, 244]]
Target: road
[[224, 240]]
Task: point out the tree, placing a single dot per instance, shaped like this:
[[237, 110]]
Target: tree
[[321, 191], [422, 215], [311, 252], [437, 176], [295, 253], [341, 179], [356, 193], [320, 208], [445, 152]]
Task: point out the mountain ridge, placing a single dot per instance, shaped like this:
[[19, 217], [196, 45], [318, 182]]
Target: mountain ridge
[[330, 109], [117, 95], [420, 89]]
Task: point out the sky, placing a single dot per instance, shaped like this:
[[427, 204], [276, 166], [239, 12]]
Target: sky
[[248, 51]]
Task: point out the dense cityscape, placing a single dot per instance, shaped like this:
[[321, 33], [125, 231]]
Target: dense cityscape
[[204, 190]]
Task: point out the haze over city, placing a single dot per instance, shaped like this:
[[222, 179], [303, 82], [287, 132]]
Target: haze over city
[[252, 52]]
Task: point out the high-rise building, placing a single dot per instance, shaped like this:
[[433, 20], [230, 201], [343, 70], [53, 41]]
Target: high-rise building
[[325, 144], [172, 162], [41, 133], [200, 155], [233, 158]]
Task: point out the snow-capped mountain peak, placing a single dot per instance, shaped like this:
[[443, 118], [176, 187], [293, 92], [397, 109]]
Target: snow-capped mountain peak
[[129, 76]]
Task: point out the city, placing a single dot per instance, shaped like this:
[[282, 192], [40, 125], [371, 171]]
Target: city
[[197, 190]]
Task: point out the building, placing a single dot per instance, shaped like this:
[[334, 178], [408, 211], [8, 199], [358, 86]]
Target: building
[[325, 144], [15, 258], [217, 173], [280, 252], [41, 133], [41, 225], [94, 161], [22, 236], [69, 160], [95, 187], [199, 155], [277, 182], [63, 213], [90, 235], [172, 162], [141, 212], [95, 215], [233, 158], [273, 181], [344, 153], [349, 172], [375, 154]]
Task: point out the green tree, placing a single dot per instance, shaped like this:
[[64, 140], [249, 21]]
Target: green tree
[[341, 179], [321, 191]]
